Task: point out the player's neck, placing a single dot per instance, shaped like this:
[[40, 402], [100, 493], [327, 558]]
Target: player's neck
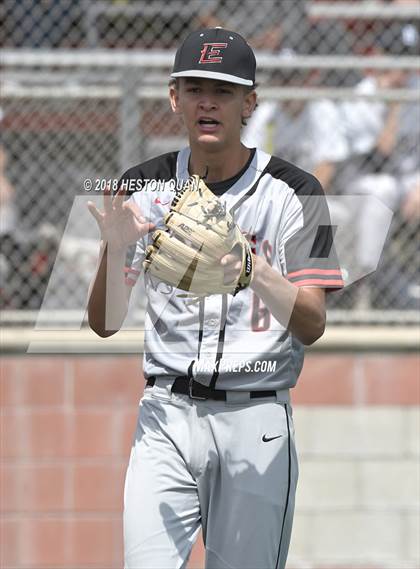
[[220, 166]]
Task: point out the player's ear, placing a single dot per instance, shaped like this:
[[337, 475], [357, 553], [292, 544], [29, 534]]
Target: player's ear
[[174, 97], [249, 103]]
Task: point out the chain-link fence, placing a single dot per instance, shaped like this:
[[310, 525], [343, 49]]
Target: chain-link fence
[[84, 96]]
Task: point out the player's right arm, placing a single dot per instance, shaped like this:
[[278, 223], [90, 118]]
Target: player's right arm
[[121, 224]]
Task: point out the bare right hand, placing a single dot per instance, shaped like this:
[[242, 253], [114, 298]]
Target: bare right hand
[[121, 223]]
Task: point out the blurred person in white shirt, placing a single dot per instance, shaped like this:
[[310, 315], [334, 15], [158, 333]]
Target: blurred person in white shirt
[[7, 194], [348, 145]]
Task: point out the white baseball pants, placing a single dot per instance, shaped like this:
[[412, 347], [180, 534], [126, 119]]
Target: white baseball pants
[[228, 467]]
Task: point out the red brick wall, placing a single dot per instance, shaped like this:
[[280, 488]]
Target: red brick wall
[[66, 431]]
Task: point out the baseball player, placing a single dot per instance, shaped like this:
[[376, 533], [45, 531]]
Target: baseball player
[[214, 445]]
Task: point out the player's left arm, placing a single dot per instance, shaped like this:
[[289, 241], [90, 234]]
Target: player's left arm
[[300, 309], [293, 288]]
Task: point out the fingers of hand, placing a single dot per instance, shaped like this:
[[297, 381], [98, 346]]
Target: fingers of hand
[[144, 228], [135, 211], [108, 199], [232, 266], [94, 211], [140, 222], [229, 259], [119, 197]]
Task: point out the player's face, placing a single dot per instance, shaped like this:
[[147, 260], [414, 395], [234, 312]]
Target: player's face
[[212, 110]]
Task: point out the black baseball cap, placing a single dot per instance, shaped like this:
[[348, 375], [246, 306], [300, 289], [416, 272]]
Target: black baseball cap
[[216, 53]]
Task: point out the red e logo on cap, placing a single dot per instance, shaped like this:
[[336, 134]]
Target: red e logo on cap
[[211, 52]]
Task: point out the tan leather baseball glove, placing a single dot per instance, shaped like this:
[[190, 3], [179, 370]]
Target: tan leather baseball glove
[[199, 233]]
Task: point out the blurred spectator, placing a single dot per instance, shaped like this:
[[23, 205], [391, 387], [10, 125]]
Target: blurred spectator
[[208, 19], [353, 147], [7, 219], [294, 130], [26, 257], [410, 208], [7, 198], [297, 130]]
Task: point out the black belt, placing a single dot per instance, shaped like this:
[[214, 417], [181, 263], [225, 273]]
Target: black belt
[[196, 390]]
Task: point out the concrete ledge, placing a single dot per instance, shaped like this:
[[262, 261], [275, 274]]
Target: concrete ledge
[[84, 341]]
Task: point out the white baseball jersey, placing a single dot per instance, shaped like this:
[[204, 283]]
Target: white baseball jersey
[[224, 341]]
